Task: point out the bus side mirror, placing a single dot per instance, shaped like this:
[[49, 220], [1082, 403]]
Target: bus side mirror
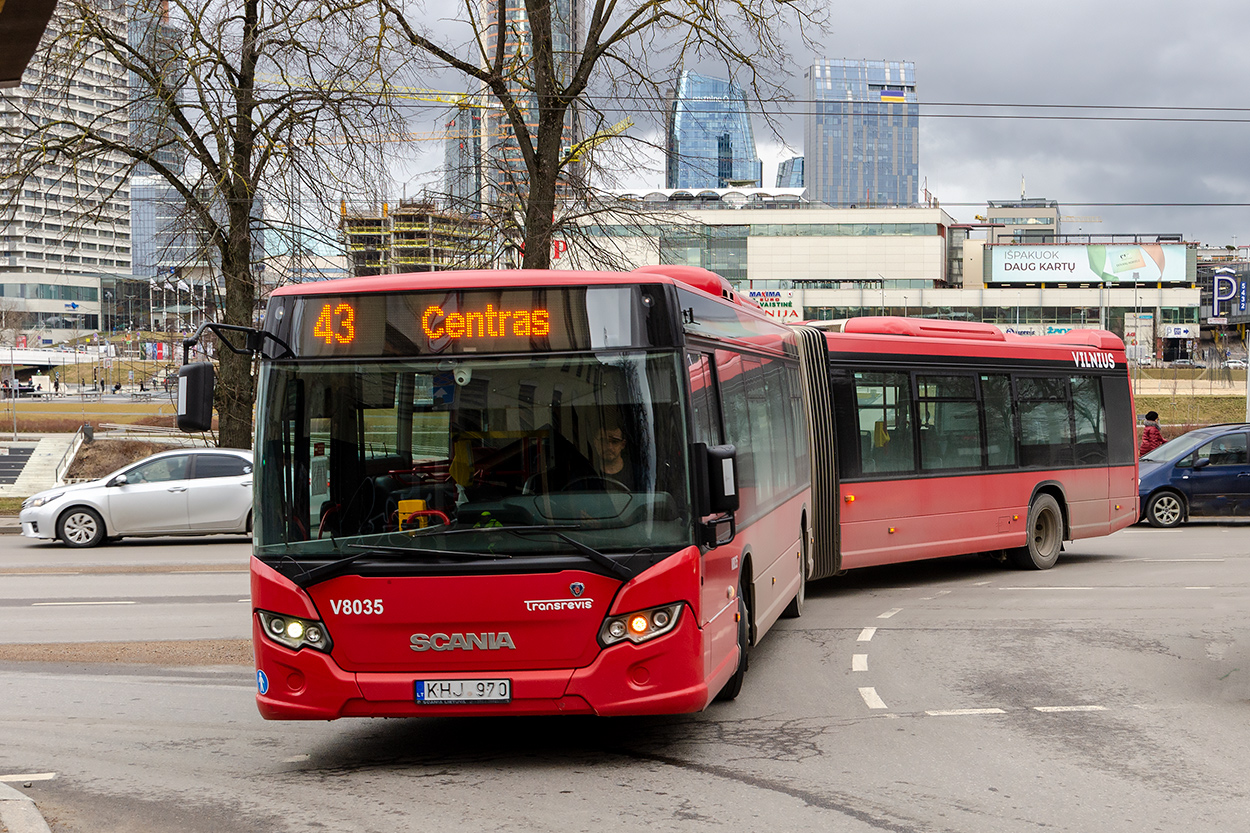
[[716, 489], [195, 397]]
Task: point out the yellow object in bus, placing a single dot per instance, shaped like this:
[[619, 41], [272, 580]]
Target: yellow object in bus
[[407, 507], [880, 436]]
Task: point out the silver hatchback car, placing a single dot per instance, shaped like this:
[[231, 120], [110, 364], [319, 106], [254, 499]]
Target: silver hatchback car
[[202, 491]]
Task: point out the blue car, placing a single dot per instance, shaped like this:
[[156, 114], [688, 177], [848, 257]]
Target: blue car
[[1203, 473]]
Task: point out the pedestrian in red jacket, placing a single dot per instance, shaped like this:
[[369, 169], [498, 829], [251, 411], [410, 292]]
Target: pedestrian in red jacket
[[1151, 436]]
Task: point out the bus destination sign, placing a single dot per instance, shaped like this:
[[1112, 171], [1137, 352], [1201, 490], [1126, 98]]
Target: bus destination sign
[[477, 320]]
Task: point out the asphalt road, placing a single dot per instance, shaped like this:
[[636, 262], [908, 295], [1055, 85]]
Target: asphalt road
[[1109, 694]]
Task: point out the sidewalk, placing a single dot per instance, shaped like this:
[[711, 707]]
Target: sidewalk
[[18, 813], [10, 525]]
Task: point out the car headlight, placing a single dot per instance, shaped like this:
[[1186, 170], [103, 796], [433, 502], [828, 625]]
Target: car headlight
[[294, 632], [40, 500], [641, 625]]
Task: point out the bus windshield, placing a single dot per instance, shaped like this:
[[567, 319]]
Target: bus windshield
[[391, 454]]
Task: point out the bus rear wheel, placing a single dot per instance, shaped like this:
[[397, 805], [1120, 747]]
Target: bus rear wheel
[[1045, 531]]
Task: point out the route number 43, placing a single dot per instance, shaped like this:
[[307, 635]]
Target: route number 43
[[336, 324]]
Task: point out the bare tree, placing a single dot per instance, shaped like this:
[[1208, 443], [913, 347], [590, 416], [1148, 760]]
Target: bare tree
[[233, 104], [552, 84]]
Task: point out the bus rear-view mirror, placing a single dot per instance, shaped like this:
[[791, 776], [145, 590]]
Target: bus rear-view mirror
[[195, 397]]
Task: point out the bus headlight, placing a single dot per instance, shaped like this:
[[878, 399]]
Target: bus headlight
[[294, 632], [640, 625]]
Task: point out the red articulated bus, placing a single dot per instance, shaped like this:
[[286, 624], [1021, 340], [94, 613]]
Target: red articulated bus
[[546, 492]]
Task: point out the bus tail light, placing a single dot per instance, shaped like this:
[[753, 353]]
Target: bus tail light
[[640, 626], [294, 632]]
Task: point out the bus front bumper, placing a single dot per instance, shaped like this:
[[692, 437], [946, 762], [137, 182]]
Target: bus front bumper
[[663, 676]]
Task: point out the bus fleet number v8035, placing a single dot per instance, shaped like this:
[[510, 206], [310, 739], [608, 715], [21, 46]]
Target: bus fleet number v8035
[[357, 607]]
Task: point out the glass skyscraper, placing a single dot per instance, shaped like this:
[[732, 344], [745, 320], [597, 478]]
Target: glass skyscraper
[[790, 173], [710, 143], [861, 136]]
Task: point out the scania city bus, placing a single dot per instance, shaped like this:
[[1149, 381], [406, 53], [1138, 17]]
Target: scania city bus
[[521, 493]]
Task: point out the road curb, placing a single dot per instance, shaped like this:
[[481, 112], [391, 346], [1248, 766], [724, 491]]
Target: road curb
[[18, 812]]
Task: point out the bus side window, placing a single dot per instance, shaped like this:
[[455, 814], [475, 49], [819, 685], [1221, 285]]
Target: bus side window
[[703, 401], [1045, 421], [950, 422], [1000, 431], [887, 433], [731, 371], [1091, 431]]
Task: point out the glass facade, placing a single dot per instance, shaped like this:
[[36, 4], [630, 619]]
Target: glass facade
[[862, 134], [710, 143], [790, 173]]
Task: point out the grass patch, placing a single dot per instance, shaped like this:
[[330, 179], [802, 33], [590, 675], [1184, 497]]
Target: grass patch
[[1178, 414], [68, 414]]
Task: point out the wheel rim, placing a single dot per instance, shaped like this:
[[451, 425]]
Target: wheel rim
[[1167, 510], [80, 527], [1045, 534]]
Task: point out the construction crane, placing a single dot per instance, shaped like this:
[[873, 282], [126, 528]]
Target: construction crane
[[592, 142]]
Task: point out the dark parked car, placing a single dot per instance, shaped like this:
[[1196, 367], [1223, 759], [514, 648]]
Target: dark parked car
[[1203, 473]]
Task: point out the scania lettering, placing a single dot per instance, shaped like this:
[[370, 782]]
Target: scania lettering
[[461, 641]]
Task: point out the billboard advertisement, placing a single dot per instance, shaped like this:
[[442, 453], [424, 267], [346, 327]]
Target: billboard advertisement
[[779, 303], [1147, 263]]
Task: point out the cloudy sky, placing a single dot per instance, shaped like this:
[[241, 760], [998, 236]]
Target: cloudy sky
[[1121, 54], [1099, 53]]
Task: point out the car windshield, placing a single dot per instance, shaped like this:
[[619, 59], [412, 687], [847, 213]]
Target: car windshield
[[1177, 448], [389, 454]]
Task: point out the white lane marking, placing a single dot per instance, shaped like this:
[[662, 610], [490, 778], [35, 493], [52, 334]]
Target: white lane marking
[[29, 776], [859, 662], [75, 604], [981, 583], [866, 635], [295, 759], [934, 596], [890, 613], [1070, 708], [1049, 587], [1176, 560], [1200, 587], [871, 700], [959, 712], [245, 600]]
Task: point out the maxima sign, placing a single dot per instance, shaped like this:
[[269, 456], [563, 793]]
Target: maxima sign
[[1144, 264], [778, 303]]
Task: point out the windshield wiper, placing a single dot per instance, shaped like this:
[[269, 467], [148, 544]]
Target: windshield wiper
[[590, 552], [327, 571]]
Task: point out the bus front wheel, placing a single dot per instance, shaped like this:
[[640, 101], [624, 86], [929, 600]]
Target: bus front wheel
[[734, 686], [1045, 531]]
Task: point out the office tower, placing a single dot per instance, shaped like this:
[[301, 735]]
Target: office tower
[[861, 134], [709, 141], [790, 173], [150, 33], [505, 171], [69, 226], [463, 160]]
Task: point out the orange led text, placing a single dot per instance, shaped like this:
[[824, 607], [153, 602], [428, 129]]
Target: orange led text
[[492, 323]]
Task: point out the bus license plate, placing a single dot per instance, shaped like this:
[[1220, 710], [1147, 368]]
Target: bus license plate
[[452, 692]]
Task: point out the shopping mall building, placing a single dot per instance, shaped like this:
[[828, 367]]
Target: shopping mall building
[[1014, 266]]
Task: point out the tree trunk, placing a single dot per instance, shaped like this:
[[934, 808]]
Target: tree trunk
[[235, 393]]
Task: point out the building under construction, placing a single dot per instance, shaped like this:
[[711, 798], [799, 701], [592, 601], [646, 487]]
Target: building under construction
[[413, 237]]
